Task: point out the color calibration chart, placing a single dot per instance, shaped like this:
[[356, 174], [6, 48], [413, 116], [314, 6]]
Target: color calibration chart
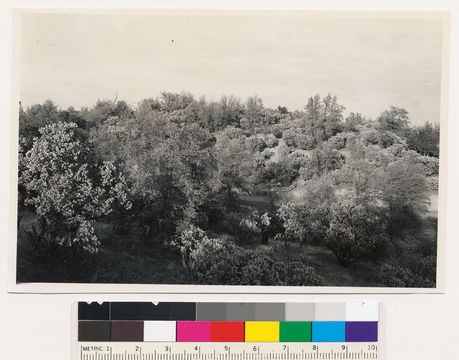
[[227, 331]]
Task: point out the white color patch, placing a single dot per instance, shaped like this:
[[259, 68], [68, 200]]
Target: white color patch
[[362, 311], [159, 330]]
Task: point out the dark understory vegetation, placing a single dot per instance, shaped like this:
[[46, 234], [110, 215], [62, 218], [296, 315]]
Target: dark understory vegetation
[[183, 191]]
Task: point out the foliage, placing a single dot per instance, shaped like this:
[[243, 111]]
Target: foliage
[[353, 122], [270, 141], [395, 120], [256, 144], [67, 193], [188, 242], [323, 117], [404, 189], [369, 135], [298, 137], [278, 173], [307, 221], [277, 131], [34, 118], [300, 275], [218, 179], [400, 276], [292, 221], [234, 158], [355, 230], [213, 261], [338, 141], [431, 165], [425, 139], [174, 178], [320, 162]]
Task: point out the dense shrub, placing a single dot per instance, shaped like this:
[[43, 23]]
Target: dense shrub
[[67, 190], [278, 173], [399, 276], [189, 240], [338, 141], [260, 267], [351, 229], [415, 265], [245, 227], [432, 183], [292, 220], [383, 138], [256, 144], [271, 141], [267, 154], [307, 220], [355, 231], [298, 137], [304, 141], [285, 171], [289, 136], [321, 162], [431, 165], [277, 131], [214, 261], [300, 274]]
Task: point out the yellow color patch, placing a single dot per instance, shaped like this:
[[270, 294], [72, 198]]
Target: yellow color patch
[[262, 331]]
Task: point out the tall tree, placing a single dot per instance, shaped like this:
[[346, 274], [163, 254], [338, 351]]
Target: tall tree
[[314, 119], [332, 115], [324, 117], [396, 120]]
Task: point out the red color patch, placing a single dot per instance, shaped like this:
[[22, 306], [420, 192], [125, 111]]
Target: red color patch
[[230, 331]]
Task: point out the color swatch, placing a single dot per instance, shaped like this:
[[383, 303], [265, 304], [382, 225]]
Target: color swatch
[[227, 331], [328, 331], [228, 322], [159, 331], [94, 330], [126, 330], [261, 331], [295, 331], [300, 311], [358, 331], [193, 331]]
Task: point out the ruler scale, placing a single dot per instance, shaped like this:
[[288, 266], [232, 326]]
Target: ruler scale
[[233, 331], [213, 351]]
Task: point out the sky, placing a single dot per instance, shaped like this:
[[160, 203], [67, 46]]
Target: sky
[[370, 64]]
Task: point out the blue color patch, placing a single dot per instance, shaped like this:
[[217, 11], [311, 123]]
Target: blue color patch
[[328, 331]]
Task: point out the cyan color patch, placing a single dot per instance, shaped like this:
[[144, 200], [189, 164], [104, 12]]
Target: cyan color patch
[[328, 331]]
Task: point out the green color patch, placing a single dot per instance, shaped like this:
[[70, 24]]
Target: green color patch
[[295, 331]]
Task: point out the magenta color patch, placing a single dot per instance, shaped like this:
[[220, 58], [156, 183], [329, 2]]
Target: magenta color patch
[[188, 331]]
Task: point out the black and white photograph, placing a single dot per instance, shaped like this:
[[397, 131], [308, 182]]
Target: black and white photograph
[[294, 150]]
